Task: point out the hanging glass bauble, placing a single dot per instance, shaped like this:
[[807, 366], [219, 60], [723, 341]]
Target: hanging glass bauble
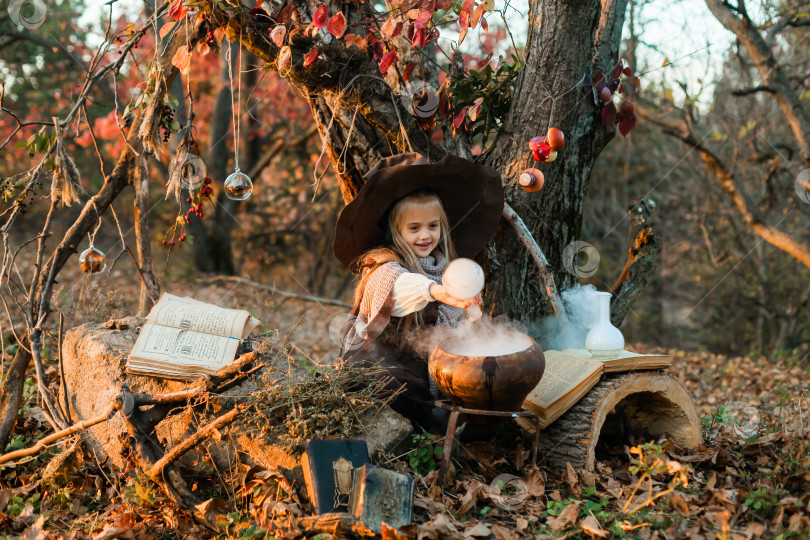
[[238, 186], [92, 261]]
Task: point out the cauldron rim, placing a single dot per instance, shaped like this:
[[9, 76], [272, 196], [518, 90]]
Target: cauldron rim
[[521, 351]]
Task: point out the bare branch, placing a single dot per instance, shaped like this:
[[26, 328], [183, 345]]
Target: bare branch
[[754, 90]]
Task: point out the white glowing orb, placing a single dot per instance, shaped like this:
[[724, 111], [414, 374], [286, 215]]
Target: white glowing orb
[[463, 278]]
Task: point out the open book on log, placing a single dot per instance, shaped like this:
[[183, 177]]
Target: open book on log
[[184, 339], [571, 373]]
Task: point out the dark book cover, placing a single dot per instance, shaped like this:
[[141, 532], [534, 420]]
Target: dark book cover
[[318, 464], [382, 496]]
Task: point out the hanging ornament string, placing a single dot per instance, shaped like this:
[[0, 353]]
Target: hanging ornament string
[[235, 103], [93, 260], [238, 186]]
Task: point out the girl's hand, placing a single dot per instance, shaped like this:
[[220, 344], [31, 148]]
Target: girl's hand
[[440, 293]]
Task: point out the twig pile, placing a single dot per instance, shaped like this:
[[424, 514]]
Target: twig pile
[[331, 405]]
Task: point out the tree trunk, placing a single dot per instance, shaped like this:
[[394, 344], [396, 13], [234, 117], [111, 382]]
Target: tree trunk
[[11, 394], [569, 39], [150, 288]]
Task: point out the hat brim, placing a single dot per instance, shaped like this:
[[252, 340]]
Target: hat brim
[[472, 195]]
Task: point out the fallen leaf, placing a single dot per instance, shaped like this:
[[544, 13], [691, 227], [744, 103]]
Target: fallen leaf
[[480, 530], [712, 481], [439, 528], [120, 526], [34, 532], [570, 475], [591, 527], [567, 517], [679, 504], [502, 533], [472, 493]]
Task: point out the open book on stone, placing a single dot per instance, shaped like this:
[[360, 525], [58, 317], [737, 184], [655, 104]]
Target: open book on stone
[[184, 339]]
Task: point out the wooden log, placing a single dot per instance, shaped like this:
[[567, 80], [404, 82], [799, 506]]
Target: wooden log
[[648, 403]]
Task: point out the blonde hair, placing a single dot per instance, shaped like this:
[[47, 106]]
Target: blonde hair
[[418, 200], [399, 250]]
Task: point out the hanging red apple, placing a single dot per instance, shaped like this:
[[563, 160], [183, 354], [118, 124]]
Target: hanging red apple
[[555, 139]]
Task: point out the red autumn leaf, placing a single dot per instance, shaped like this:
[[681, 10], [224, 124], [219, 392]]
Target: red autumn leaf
[[177, 10], [406, 74], [320, 16], [484, 24], [423, 18], [277, 35], [466, 13], [609, 114], [386, 61], [443, 4], [182, 60], [628, 72], [458, 119], [391, 29], [337, 24], [310, 56], [437, 135], [284, 14], [461, 36], [477, 15], [357, 41], [166, 28], [617, 70], [626, 118], [417, 36]]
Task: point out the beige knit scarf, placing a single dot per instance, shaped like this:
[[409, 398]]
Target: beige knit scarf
[[377, 303]]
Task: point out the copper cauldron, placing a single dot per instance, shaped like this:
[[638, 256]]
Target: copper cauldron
[[495, 382]]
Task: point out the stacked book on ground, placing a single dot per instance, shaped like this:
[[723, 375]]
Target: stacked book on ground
[[339, 478], [571, 373], [184, 339]]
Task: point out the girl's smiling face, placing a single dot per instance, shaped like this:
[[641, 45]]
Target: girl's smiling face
[[421, 230]]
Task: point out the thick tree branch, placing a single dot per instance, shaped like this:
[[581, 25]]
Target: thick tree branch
[[681, 130], [754, 90], [773, 76]]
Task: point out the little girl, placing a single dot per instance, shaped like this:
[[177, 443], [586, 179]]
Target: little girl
[[419, 208]]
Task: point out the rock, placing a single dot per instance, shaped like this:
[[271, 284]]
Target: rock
[[94, 357]]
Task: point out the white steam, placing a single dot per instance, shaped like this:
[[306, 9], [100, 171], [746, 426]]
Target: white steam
[[500, 336], [581, 304]]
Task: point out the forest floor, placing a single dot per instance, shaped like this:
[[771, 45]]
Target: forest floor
[[750, 480]]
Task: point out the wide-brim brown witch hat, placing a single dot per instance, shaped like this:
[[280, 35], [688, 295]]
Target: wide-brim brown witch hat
[[472, 195]]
